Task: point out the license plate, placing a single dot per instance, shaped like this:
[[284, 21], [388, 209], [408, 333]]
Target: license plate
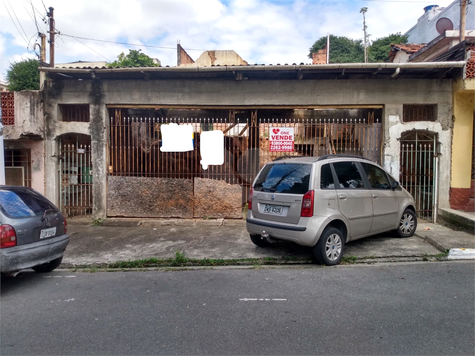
[[45, 233], [273, 209]]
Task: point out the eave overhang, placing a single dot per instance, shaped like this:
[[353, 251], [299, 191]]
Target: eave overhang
[[426, 70]]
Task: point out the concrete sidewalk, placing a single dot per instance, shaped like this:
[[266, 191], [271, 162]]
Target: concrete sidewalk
[[133, 239]]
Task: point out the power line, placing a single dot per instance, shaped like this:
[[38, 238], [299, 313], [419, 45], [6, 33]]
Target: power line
[[125, 43], [11, 18], [107, 59]]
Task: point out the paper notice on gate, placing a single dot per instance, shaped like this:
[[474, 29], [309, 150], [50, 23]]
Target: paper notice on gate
[[177, 138], [211, 148]]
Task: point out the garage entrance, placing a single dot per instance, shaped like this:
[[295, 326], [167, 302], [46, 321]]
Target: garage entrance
[[135, 140]]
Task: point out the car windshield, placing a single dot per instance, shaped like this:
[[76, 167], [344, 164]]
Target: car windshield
[[284, 178], [22, 204]]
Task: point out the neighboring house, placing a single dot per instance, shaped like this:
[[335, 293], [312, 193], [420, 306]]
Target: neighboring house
[[448, 47], [400, 53], [3, 86], [81, 64], [436, 20], [210, 58]]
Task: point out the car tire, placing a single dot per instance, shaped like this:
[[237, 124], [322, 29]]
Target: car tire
[[48, 267], [259, 241], [329, 248], [407, 224]]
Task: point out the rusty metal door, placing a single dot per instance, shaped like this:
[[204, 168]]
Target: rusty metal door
[[75, 177], [419, 168]]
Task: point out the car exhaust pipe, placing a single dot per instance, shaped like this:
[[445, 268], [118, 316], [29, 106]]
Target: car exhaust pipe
[[12, 274], [265, 236]]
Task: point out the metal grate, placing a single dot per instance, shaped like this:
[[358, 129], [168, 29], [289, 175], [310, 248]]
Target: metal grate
[[418, 172], [75, 112], [419, 112], [8, 107], [76, 179], [134, 145]]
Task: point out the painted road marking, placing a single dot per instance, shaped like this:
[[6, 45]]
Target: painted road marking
[[262, 300]]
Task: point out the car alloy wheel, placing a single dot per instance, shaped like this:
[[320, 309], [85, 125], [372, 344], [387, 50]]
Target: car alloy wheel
[[329, 248], [407, 224], [333, 247]]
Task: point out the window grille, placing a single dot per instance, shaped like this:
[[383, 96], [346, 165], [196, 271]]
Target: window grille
[[74, 112], [18, 167], [419, 112]]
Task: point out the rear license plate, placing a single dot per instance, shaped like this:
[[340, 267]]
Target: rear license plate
[[273, 209], [45, 233]]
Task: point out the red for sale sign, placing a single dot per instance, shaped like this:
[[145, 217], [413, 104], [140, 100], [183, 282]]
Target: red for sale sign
[[281, 139]]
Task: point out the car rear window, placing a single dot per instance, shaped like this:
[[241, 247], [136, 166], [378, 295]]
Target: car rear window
[[291, 178], [22, 204]]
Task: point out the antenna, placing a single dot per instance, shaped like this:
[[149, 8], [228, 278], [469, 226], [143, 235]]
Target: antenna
[[444, 24]]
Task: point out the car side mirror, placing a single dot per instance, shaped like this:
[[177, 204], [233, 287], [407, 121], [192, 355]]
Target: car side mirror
[[395, 185]]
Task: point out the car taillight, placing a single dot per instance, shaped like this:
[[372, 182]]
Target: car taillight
[[65, 226], [7, 236], [307, 205], [249, 199]]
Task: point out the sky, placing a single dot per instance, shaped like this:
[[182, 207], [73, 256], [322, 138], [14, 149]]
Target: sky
[[260, 31]]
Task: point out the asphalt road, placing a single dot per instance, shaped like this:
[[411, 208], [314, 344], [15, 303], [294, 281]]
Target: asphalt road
[[385, 309]]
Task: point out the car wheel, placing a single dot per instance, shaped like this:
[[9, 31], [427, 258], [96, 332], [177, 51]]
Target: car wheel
[[48, 267], [407, 224], [259, 241], [329, 248]]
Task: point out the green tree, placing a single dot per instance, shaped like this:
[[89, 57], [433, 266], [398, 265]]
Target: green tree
[[24, 75], [342, 49], [133, 59], [379, 49]]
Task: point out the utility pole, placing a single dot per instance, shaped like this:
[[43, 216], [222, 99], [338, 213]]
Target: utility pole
[[363, 11], [51, 36], [42, 58], [463, 12]]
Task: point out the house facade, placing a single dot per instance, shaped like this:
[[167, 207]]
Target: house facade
[[92, 135]]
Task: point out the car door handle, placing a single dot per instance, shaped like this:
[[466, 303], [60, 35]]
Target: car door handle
[[375, 196], [342, 196]]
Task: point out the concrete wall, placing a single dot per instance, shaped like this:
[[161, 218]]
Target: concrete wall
[[391, 94], [29, 118]]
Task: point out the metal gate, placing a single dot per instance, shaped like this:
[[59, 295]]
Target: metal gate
[[134, 145], [419, 168], [75, 177]]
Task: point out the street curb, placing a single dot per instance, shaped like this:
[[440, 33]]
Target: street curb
[[461, 254], [432, 241], [136, 222]]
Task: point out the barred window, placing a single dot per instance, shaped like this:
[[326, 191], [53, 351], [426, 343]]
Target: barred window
[[419, 112], [74, 112]]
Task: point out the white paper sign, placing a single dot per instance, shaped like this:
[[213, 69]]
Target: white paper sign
[[211, 148], [177, 138]]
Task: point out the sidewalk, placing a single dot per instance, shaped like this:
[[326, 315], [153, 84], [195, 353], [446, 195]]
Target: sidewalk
[[133, 239]]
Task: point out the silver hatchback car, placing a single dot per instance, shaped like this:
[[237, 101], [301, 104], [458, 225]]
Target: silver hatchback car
[[324, 202], [33, 232]]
